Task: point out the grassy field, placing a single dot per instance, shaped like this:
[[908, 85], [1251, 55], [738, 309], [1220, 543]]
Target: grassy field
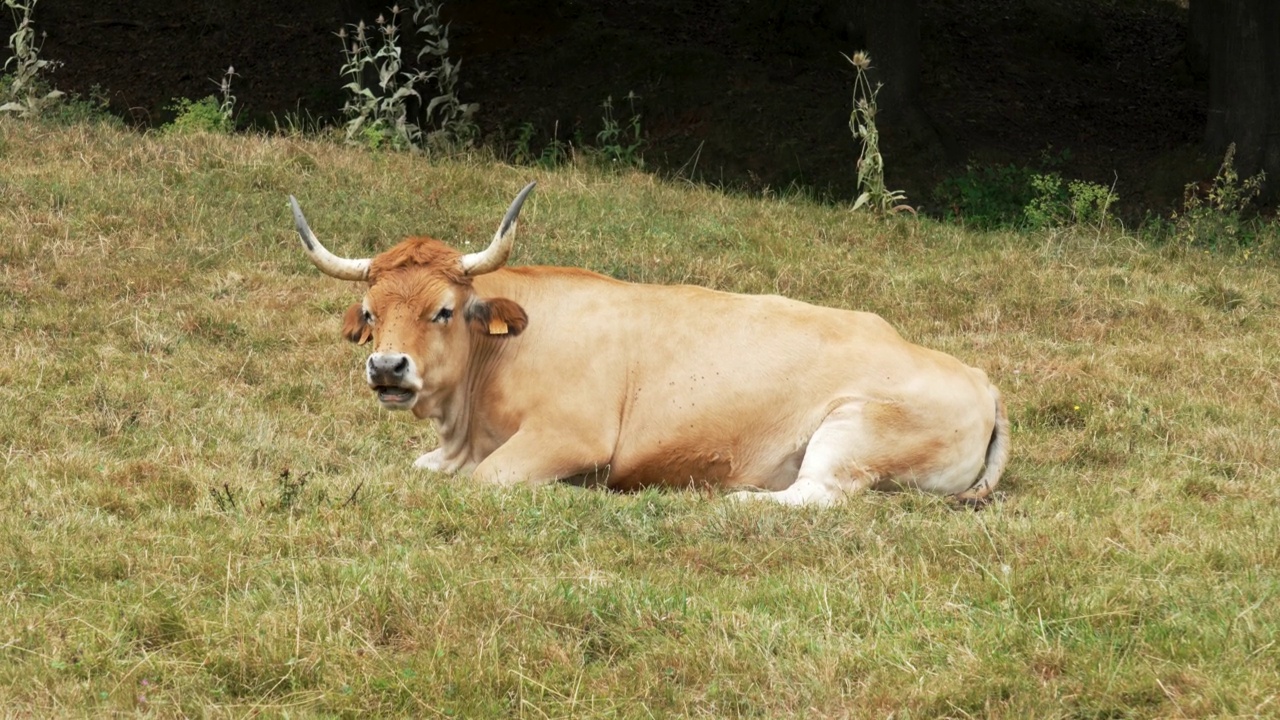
[[203, 511]]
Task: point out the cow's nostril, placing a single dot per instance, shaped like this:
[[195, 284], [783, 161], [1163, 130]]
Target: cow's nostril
[[389, 367]]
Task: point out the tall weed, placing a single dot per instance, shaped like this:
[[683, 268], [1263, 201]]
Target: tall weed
[[24, 89], [873, 193], [619, 143], [451, 119], [390, 111]]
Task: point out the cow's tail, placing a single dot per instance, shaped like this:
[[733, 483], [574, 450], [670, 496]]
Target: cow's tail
[[997, 456]]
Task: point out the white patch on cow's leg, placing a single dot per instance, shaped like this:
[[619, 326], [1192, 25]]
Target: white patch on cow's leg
[[830, 471], [433, 460], [806, 494], [802, 492]]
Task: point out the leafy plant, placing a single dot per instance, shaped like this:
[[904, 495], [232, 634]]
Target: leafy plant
[[379, 114], [451, 118], [208, 114], [987, 196], [1048, 204], [618, 143], [554, 153], [1057, 203], [24, 91], [1090, 202], [72, 108], [289, 490], [1016, 196], [522, 154], [383, 113], [1213, 213], [95, 107], [862, 123], [191, 116]]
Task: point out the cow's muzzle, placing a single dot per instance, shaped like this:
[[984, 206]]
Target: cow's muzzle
[[392, 377]]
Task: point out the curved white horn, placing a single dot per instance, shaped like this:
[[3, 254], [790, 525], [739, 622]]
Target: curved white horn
[[330, 264], [493, 257]]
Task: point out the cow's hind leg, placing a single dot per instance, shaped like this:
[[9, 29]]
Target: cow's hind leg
[[831, 470]]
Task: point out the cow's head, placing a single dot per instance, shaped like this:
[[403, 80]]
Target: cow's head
[[421, 310]]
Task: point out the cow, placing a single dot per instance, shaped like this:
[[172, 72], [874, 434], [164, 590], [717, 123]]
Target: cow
[[533, 375]]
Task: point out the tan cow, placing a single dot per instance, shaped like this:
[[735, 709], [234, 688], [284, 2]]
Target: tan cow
[[537, 374]]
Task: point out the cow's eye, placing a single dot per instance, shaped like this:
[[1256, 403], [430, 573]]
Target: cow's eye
[[443, 316], [368, 317]]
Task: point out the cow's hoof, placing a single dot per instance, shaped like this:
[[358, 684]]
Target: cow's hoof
[[971, 503], [433, 461]]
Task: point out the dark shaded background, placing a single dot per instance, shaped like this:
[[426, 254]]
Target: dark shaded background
[[752, 95]]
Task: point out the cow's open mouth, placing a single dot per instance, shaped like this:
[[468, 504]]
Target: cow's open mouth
[[392, 395]]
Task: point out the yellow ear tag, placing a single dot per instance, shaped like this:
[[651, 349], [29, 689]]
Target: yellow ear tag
[[497, 326], [365, 335]]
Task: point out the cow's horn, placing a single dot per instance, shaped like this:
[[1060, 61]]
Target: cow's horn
[[499, 250], [330, 264]]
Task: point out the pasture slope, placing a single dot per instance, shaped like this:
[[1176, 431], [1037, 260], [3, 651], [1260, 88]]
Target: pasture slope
[[203, 513]]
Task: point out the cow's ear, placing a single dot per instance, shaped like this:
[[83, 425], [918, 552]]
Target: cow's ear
[[354, 328], [496, 316]]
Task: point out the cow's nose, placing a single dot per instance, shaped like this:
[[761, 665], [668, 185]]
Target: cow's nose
[[388, 368]]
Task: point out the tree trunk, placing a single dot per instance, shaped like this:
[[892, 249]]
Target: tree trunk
[[1199, 21], [1244, 86]]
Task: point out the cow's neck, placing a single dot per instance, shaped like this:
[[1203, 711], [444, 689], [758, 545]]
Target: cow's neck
[[453, 409]]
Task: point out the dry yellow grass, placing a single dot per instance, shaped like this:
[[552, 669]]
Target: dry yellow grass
[[204, 512]]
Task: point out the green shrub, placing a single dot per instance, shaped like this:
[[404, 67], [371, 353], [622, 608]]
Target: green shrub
[[1049, 201], [987, 196], [203, 115], [1214, 214], [618, 144], [554, 154], [1017, 196], [75, 108], [1090, 202], [1056, 203], [208, 114]]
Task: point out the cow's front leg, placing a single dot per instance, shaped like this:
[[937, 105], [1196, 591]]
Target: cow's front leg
[[433, 460], [440, 461], [533, 458]]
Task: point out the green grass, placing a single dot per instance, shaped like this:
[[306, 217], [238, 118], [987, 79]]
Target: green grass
[[164, 338]]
